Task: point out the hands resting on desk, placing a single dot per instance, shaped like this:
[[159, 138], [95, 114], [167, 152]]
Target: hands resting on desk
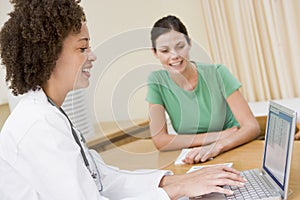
[[202, 154], [204, 181], [207, 152]]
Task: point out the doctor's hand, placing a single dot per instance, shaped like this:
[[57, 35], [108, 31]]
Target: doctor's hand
[[204, 181]]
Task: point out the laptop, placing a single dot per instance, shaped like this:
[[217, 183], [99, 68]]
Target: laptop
[[273, 178]]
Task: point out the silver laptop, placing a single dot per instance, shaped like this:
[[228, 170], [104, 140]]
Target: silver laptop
[[271, 182]]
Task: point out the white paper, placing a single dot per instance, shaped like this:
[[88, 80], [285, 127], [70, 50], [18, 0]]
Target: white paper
[[195, 168], [181, 156]]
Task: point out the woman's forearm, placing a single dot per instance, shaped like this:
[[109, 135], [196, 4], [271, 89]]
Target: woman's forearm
[[243, 135], [165, 142]]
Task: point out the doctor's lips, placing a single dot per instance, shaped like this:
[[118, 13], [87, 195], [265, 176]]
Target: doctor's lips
[[87, 69]]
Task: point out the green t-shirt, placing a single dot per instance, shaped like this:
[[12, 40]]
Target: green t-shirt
[[199, 111]]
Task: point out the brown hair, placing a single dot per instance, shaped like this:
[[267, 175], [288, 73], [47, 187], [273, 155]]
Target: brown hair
[[32, 39], [166, 24]]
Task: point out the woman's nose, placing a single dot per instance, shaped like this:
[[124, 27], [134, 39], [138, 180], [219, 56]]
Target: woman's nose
[[174, 54]]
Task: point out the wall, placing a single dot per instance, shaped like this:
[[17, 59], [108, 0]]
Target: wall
[[120, 37]]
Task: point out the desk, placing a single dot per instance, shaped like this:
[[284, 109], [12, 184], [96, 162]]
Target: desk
[[142, 154], [112, 134]]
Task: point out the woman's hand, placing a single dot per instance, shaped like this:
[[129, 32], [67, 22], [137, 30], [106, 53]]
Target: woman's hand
[[204, 153], [204, 181]]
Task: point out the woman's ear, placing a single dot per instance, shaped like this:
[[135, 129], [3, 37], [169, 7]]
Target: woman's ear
[[190, 43], [154, 52]]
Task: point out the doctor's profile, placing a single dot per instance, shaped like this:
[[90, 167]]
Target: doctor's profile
[[45, 48], [206, 109]]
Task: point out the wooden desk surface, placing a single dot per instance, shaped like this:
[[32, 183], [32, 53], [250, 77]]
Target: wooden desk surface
[[142, 154], [107, 132]]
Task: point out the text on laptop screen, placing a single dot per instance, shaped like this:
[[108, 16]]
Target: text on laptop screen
[[277, 139]]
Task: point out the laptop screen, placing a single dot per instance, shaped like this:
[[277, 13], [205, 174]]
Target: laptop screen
[[278, 147]]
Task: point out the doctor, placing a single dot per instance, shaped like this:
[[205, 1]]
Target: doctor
[[45, 48]]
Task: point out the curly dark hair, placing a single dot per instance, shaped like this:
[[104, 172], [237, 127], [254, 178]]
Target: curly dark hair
[[32, 39]]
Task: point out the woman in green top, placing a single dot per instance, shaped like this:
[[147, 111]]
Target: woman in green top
[[203, 101]]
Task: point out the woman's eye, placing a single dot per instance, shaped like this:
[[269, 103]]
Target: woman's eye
[[163, 51]]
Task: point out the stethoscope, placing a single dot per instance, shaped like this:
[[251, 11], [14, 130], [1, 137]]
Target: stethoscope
[[95, 174]]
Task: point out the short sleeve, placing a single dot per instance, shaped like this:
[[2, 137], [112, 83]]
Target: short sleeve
[[154, 90], [228, 82]]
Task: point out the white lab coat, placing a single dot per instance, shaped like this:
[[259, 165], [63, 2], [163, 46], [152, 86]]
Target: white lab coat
[[39, 159]]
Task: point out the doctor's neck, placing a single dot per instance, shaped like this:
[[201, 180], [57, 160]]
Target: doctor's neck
[[56, 95]]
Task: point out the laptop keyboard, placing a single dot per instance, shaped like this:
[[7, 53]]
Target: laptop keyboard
[[255, 187]]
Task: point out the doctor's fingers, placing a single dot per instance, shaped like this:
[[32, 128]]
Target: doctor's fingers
[[214, 178], [228, 181], [222, 190], [230, 174], [223, 177]]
